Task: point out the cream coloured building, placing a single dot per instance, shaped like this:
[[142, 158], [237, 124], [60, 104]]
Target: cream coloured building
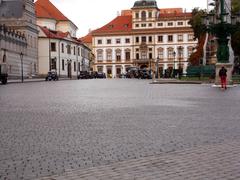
[[140, 36]]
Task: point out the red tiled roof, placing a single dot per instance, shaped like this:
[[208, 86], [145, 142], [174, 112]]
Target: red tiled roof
[[54, 34], [87, 38], [119, 24], [45, 9]]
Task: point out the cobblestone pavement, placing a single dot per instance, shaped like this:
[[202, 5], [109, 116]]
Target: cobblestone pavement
[[49, 128], [218, 161]]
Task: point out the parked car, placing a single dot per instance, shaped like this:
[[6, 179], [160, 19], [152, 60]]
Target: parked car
[[133, 72], [52, 75], [84, 75], [101, 75]]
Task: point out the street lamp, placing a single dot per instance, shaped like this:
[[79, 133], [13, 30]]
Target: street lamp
[[174, 55], [180, 54], [157, 65], [217, 24], [21, 57]]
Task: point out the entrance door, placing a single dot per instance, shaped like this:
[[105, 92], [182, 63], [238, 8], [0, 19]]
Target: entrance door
[[69, 70]]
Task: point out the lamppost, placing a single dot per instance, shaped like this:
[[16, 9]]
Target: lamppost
[[21, 57], [174, 55], [180, 55], [218, 25], [157, 67]]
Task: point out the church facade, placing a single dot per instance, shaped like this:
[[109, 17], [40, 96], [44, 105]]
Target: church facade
[[144, 37], [19, 36]]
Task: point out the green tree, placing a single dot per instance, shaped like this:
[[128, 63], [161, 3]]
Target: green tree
[[235, 6], [236, 35]]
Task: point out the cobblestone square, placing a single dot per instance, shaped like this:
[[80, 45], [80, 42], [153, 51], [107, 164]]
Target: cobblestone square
[[50, 128]]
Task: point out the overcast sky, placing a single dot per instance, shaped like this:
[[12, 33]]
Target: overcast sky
[[93, 14]]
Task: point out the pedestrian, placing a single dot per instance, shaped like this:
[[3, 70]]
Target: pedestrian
[[223, 77]]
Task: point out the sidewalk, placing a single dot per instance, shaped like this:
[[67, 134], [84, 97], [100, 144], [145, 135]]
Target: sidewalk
[[174, 81], [28, 80], [215, 161]]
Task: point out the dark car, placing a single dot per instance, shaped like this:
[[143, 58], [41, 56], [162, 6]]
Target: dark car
[[52, 76], [145, 74], [101, 75], [84, 75], [132, 72]]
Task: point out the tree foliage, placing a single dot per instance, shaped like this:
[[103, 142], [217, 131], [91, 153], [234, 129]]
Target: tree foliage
[[235, 6], [199, 33]]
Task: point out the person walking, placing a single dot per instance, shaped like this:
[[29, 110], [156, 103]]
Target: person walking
[[223, 77]]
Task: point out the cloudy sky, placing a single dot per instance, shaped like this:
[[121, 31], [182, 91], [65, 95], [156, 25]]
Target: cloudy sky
[[92, 14]]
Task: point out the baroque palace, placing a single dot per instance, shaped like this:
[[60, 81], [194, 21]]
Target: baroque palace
[[142, 37]]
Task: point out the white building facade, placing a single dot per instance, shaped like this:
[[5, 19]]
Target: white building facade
[[59, 49], [140, 36]]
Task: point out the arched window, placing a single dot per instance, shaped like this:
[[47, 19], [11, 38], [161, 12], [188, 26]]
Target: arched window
[[171, 53], [160, 53], [109, 54], [143, 15], [127, 54], [118, 54], [99, 54]]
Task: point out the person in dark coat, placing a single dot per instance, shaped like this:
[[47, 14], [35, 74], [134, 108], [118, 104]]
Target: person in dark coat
[[223, 77]]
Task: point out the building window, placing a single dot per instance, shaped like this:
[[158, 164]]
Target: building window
[[137, 39], [99, 54], [78, 51], [127, 40], [137, 55], [170, 38], [79, 65], [150, 55], [35, 67], [62, 47], [190, 37], [109, 41], [99, 41], [100, 69], [143, 25], [118, 55], [149, 38], [127, 55], [160, 53], [160, 24], [180, 38], [160, 38], [180, 23], [53, 63], [109, 54], [63, 64], [74, 66], [144, 39], [150, 14], [137, 15], [143, 15], [74, 50], [118, 41], [53, 46], [150, 25], [149, 49], [170, 53], [170, 23], [136, 25], [68, 49]]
